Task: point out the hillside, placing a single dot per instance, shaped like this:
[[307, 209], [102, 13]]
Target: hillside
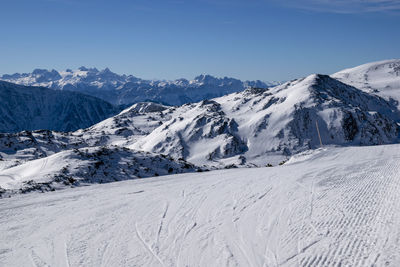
[[71, 168], [34, 108], [381, 78]]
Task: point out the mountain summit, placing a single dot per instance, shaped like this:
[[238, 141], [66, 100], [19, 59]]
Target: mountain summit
[[381, 78]]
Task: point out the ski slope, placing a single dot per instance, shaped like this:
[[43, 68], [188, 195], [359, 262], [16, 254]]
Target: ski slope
[[329, 207]]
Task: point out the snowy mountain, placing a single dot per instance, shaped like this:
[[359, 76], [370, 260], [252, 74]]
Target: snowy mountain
[[47, 160], [330, 207], [254, 126], [121, 130], [32, 108], [127, 89], [381, 78]]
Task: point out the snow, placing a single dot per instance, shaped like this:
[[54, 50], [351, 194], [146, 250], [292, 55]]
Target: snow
[[13, 178], [381, 78], [71, 168], [329, 207]]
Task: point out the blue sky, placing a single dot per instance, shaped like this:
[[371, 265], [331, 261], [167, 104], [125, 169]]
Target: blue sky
[[252, 39]]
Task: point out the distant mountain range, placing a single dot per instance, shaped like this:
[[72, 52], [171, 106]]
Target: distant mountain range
[[127, 89]]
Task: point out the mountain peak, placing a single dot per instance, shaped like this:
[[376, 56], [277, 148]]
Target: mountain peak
[[106, 71], [39, 71], [44, 76], [205, 78], [381, 78]]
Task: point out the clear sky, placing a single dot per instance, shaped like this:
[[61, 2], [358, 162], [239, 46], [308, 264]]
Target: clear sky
[[168, 39]]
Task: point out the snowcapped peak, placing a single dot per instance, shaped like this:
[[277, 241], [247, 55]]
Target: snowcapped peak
[[83, 68], [205, 78], [43, 75], [106, 71], [319, 88], [39, 71], [313, 79], [108, 74], [391, 66], [381, 78]]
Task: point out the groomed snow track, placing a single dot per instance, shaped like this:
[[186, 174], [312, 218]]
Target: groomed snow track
[[330, 207]]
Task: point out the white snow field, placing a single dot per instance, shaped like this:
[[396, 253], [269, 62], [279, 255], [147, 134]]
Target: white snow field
[[328, 207], [381, 78]]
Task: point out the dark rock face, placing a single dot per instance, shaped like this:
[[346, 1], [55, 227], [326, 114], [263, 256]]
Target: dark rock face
[[350, 127], [34, 108]]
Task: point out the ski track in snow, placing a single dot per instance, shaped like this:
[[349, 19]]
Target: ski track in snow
[[338, 208]]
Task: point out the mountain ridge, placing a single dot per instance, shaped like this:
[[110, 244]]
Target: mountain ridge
[[381, 78], [128, 89]]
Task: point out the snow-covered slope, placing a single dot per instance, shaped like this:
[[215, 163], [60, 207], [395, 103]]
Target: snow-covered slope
[[121, 130], [86, 166], [255, 125], [130, 125], [46, 160], [127, 89], [33, 108], [330, 208], [17, 148], [381, 78]]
